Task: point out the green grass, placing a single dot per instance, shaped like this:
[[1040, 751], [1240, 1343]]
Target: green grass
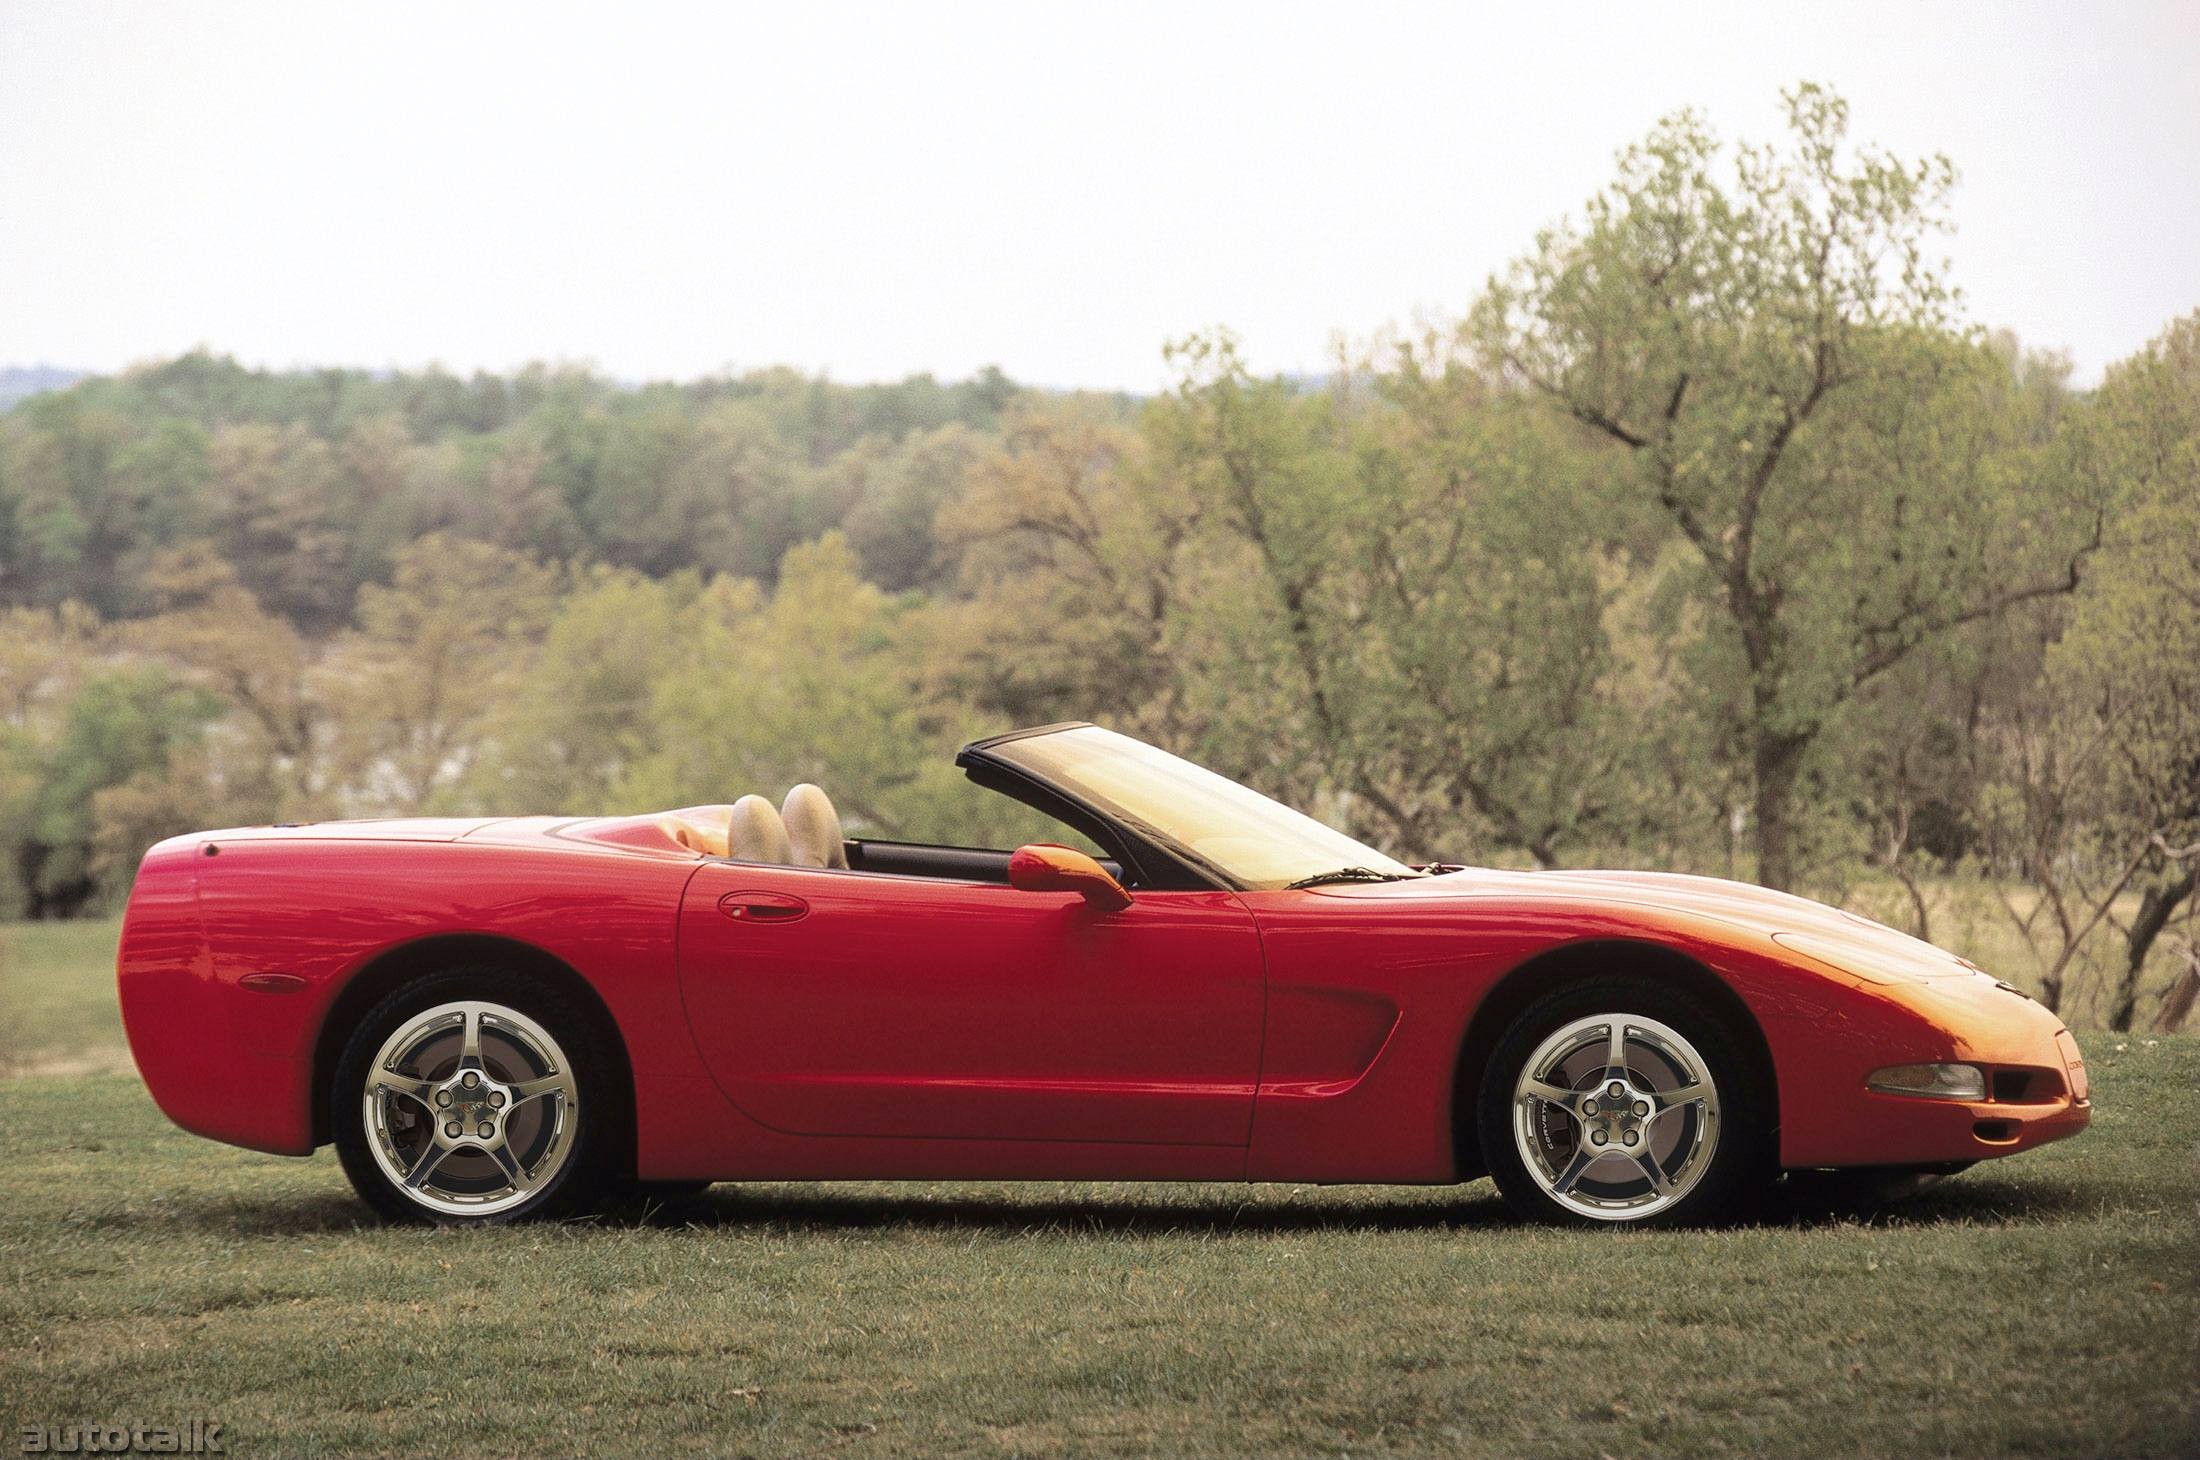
[[57, 999], [2041, 1306]]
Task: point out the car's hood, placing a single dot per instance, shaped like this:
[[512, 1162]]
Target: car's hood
[[1812, 929]]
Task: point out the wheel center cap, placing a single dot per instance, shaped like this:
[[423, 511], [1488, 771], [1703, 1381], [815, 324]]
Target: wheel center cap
[[471, 1104], [1615, 1114]]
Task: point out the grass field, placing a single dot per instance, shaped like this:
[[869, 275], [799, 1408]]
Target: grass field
[[2043, 1306], [57, 1000]]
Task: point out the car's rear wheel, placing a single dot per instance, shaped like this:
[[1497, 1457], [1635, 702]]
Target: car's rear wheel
[[1623, 1102], [474, 1096]]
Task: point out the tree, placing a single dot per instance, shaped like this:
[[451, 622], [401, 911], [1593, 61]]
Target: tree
[[821, 681], [87, 492], [42, 654], [579, 718], [215, 633], [1067, 550], [1398, 601], [672, 487], [2128, 670], [280, 520], [1769, 360], [434, 655], [895, 492], [123, 724]]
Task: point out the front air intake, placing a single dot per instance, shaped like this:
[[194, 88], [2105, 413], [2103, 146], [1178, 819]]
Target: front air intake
[[2026, 1087]]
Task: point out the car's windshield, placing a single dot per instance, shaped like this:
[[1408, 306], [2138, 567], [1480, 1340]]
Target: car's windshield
[[1259, 843]]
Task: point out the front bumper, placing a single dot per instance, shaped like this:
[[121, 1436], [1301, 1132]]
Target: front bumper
[[1913, 1130], [2037, 1090]]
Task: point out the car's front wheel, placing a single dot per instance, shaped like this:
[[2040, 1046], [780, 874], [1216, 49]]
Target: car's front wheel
[[1623, 1102], [473, 1096]]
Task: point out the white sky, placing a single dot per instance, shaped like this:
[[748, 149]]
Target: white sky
[[669, 191]]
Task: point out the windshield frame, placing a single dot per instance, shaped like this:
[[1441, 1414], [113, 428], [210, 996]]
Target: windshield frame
[[1000, 753]]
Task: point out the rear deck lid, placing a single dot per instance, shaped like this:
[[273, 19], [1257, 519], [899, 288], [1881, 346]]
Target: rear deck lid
[[388, 829]]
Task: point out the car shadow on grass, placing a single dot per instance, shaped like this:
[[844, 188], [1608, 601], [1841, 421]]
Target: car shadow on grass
[[1971, 1201], [815, 1209], [1953, 1201], [1965, 1199]]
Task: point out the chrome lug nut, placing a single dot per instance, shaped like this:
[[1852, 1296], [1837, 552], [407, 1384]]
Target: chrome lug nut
[[454, 1130], [1642, 1107], [1596, 1137], [1616, 1090], [442, 1097], [496, 1097], [487, 1130], [472, 1079]]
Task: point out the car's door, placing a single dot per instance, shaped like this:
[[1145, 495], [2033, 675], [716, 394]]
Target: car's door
[[857, 1004]]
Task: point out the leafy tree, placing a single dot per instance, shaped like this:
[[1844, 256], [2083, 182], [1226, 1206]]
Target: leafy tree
[[281, 521], [42, 654], [1068, 552], [1770, 361], [894, 493], [1405, 598], [122, 724], [215, 634], [87, 495], [821, 681], [580, 717], [434, 655], [2128, 670]]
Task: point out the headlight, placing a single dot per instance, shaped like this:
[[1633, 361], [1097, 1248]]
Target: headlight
[[1945, 1082]]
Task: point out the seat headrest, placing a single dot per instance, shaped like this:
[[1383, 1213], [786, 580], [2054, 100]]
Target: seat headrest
[[814, 828], [754, 833]]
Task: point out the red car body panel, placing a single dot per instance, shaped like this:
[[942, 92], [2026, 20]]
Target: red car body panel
[[966, 1011], [793, 1023]]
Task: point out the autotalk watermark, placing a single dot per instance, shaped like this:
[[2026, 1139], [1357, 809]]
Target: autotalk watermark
[[193, 1437]]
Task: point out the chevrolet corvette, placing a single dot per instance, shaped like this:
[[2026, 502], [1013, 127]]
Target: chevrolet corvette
[[501, 1018]]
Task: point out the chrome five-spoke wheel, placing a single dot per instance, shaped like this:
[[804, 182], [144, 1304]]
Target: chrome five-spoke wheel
[[470, 1108], [1616, 1116], [1624, 1099]]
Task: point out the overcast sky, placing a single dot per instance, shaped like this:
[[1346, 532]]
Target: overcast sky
[[871, 191]]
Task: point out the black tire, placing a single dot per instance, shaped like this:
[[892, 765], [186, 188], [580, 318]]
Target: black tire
[[586, 1153], [1734, 1146]]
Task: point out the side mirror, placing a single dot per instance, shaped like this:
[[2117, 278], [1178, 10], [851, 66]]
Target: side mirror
[[1044, 867]]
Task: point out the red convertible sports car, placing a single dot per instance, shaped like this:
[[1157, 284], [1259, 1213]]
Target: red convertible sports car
[[503, 1018]]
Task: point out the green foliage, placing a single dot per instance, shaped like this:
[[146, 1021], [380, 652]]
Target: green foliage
[[578, 718], [432, 657], [819, 682], [122, 726], [1767, 359], [1411, 601], [311, 482], [2131, 658]]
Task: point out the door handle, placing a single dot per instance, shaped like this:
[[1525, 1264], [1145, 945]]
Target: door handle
[[762, 907]]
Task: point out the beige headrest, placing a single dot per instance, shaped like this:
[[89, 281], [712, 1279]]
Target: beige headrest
[[754, 833], [814, 828]]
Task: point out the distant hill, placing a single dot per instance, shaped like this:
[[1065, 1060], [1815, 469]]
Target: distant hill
[[20, 381]]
